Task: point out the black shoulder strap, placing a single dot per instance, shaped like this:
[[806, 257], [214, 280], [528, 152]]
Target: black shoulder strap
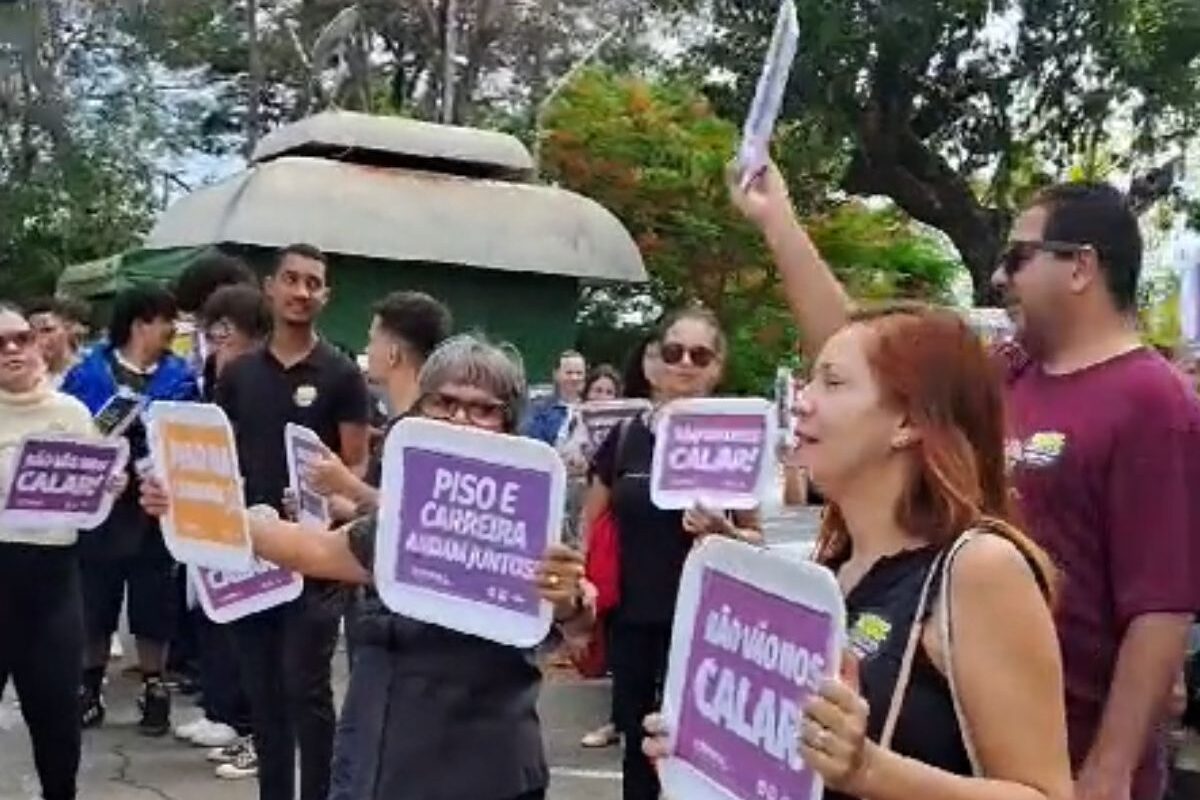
[[619, 451]]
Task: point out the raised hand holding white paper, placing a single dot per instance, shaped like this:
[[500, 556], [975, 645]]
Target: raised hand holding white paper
[[718, 453], [754, 636], [464, 520], [768, 96]]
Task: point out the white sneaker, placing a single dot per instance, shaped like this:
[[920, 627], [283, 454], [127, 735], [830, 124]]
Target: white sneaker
[[186, 730], [213, 734], [245, 765]]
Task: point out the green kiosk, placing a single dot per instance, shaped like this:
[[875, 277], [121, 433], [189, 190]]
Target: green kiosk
[[398, 204]]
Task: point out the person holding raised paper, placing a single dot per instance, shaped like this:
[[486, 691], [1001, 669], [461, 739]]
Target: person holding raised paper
[[653, 542], [951, 688], [430, 712], [41, 622], [1087, 405]]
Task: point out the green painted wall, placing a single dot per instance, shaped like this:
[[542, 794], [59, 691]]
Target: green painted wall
[[534, 312]]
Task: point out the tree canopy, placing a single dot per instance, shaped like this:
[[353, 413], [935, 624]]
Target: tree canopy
[[957, 109], [76, 142], [655, 153]]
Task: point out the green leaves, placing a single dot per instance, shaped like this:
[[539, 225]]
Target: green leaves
[[949, 107], [655, 154], [79, 189]]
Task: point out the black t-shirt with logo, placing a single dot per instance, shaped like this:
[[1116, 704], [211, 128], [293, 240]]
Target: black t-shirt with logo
[[260, 396], [880, 612]]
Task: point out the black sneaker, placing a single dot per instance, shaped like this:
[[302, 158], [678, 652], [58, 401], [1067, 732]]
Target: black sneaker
[[91, 708], [231, 752], [156, 709], [244, 765]]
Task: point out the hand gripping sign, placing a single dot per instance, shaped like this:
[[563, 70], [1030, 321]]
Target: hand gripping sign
[[229, 595], [194, 456], [768, 96], [754, 636], [715, 452], [62, 482], [303, 449], [464, 520]]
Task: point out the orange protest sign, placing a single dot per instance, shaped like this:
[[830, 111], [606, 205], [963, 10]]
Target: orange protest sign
[[195, 457]]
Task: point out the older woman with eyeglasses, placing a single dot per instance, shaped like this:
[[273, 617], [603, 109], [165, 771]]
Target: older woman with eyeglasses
[[433, 713]]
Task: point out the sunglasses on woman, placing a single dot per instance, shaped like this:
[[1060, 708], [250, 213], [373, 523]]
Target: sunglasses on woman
[[18, 340], [699, 355], [1019, 253]]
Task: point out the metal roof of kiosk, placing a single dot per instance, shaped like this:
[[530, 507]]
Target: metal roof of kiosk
[[401, 204]]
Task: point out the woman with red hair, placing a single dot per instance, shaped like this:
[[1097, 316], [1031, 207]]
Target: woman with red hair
[[952, 686]]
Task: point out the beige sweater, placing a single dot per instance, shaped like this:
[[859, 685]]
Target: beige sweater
[[41, 411]]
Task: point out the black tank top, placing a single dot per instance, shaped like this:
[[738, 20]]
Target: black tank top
[[879, 617]]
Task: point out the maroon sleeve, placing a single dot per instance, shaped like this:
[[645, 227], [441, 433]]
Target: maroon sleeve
[[1153, 535]]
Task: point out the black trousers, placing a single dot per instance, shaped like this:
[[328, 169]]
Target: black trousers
[[638, 659], [221, 691], [41, 649], [285, 660]]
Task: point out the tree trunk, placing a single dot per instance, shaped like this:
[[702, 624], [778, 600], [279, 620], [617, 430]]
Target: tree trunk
[[892, 161], [449, 54], [256, 77]]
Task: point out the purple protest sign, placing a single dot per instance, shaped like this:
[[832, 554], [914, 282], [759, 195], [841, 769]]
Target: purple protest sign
[[599, 419], [60, 482], [755, 635], [755, 658], [228, 595], [465, 520], [473, 529], [303, 449], [717, 453]]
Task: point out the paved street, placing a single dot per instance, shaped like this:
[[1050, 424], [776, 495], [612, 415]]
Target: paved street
[[118, 764]]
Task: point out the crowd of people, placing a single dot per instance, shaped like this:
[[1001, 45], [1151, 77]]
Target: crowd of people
[[1015, 530]]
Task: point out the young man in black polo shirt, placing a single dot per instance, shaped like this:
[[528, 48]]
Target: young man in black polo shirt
[[285, 653]]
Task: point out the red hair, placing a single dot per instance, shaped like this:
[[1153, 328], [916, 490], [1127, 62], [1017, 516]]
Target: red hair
[[933, 368]]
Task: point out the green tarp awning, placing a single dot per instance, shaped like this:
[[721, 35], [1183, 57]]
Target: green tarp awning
[[107, 276]]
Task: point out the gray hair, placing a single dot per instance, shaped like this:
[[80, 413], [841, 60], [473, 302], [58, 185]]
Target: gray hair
[[471, 360]]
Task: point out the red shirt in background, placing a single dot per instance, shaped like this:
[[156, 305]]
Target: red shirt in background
[[1106, 463]]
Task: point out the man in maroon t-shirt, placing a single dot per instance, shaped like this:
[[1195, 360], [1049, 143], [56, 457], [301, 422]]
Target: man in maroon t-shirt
[[1105, 448]]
